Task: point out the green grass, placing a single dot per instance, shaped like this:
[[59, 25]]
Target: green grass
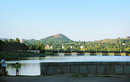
[[84, 75], [80, 75], [18, 55], [75, 75]]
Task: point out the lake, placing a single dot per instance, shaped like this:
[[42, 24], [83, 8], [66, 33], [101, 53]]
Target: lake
[[31, 65]]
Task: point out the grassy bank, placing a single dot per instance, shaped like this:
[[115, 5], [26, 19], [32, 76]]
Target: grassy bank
[[18, 55]]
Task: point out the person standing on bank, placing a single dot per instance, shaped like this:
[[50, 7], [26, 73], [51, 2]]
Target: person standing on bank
[[17, 66], [4, 65], [2, 60]]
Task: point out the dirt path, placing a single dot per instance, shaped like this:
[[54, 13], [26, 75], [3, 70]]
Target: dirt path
[[63, 78]]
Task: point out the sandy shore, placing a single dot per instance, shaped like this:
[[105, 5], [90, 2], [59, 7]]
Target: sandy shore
[[65, 78]]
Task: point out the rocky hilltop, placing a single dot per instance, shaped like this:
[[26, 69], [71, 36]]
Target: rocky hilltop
[[57, 38]]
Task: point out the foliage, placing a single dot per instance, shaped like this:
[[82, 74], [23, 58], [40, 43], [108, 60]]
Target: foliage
[[80, 75], [12, 45], [61, 42], [19, 55]]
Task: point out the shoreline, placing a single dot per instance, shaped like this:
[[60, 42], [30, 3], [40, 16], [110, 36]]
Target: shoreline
[[66, 78]]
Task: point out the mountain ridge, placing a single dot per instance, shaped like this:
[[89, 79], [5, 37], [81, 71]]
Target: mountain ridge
[[61, 38], [57, 38]]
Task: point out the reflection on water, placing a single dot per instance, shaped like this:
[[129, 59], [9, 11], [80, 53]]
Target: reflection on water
[[26, 69], [31, 65]]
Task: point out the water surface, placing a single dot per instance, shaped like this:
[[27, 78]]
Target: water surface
[[31, 65]]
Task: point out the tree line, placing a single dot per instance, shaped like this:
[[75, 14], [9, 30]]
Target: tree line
[[12, 45], [92, 46], [16, 45]]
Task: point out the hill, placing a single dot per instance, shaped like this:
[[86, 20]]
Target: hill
[[118, 40], [58, 38], [61, 39], [30, 41]]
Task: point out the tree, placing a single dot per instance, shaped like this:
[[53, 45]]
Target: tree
[[18, 40]]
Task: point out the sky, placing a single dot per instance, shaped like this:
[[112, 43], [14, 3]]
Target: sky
[[85, 20]]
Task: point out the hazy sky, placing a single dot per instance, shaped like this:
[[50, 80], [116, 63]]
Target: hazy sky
[[84, 20]]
